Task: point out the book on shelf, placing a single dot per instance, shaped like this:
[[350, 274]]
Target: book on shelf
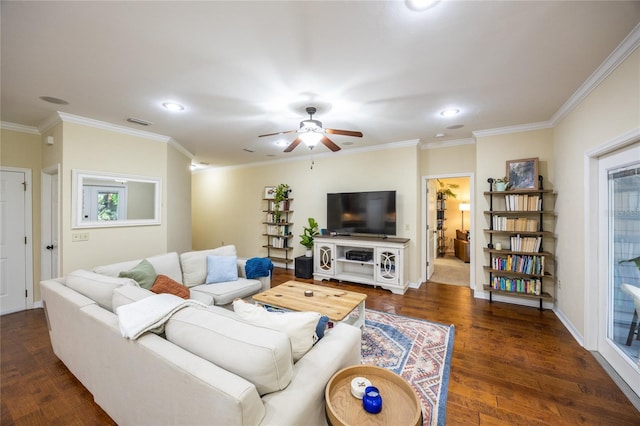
[[527, 244], [515, 224], [278, 242], [523, 202], [517, 285], [523, 264]]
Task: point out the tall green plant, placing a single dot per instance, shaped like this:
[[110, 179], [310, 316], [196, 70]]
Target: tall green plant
[[306, 239]]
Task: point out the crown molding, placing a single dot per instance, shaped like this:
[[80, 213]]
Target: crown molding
[[174, 143], [70, 118], [5, 125], [447, 144], [513, 129], [622, 52]]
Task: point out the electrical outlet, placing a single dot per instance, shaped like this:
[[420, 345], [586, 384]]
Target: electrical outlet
[[80, 236], [559, 284]]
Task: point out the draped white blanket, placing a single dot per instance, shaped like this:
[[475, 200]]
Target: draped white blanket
[[150, 314]]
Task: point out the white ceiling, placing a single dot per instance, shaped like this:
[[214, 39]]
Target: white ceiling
[[247, 68]]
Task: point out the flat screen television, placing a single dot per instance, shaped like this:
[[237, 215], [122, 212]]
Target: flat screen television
[[372, 212]]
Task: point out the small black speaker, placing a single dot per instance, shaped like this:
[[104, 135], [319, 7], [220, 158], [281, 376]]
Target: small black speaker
[[304, 267]]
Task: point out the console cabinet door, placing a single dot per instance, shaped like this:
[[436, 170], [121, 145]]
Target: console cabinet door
[[324, 258], [388, 265]]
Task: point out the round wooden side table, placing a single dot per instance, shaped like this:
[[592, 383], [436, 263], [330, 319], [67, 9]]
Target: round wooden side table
[[400, 404]]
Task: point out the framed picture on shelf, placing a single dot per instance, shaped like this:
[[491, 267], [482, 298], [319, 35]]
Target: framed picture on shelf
[[269, 192], [523, 174]]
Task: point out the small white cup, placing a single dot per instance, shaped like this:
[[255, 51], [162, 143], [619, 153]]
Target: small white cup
[[498, 246]]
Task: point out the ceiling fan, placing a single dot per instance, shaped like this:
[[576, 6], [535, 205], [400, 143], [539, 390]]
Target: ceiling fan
[[311, 132]]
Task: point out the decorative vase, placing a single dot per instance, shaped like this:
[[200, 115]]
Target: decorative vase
[[308, 253], [501, 186]]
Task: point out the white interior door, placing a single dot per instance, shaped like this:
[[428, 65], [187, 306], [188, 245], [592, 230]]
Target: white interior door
[[619, 262], [49, 227], [14, 245], [432, 241]]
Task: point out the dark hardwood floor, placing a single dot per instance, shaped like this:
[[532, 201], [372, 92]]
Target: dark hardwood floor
[[511, 365]]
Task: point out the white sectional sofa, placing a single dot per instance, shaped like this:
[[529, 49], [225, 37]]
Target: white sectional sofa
[[210, 368]]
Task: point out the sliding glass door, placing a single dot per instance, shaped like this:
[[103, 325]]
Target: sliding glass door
[[619, 258]]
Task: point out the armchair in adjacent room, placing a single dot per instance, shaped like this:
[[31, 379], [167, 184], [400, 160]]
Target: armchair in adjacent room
[[461, 246]]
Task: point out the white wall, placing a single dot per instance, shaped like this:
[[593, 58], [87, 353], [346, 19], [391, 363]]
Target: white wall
[[228, 206]]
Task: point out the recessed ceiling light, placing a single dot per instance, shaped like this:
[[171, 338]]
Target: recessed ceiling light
[[172, 106], [419, 5], [438, 135], [450, 112], [53, 100], [280, 142]]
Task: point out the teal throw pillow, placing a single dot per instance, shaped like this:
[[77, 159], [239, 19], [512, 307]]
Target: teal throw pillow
[[143, 273], [221, 269]]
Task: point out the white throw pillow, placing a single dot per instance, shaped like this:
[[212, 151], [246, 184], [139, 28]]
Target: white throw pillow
[[299, 326], [194, 264], [96, 287]]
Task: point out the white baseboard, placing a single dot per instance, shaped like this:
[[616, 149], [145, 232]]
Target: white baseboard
[[569, 326]]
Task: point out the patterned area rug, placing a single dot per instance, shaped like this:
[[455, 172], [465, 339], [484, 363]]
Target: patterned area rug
[[419, 351]]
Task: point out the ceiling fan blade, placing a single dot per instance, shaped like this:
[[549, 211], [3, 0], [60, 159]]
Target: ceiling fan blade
[[295, 143], [278, 133], [329, 144], [344, 132]]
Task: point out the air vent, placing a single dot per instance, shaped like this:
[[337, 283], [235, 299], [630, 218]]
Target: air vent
[[138, 121]]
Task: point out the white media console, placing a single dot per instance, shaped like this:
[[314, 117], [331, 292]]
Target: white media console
[[367, 260]]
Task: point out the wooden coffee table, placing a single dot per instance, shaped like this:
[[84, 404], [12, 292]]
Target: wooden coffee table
[[335, 303], [400, 404]]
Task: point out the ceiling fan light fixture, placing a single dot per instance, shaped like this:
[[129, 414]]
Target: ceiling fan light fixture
[[420, 5], [311, 138]]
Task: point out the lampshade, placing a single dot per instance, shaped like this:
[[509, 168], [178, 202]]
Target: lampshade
[[465, 207]]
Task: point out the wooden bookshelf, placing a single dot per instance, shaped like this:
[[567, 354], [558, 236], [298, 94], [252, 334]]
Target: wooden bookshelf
[[523, 266]]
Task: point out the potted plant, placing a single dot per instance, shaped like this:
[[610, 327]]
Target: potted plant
[[501, 184], [306, 239], [445, 190], [281, 193]]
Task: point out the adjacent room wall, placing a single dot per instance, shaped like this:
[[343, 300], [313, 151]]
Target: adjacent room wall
[[23, 150], [228, 206]]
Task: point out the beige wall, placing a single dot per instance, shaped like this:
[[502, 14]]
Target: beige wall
[[448, 160], [93, 149], [178, 200], [228, 206], [24, 150], [610, 111]]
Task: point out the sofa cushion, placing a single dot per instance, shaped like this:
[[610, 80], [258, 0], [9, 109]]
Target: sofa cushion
[[227, 292], [128, 294], [164, 284], [166, 264], [97, 287], [143, 273], [259, 355], [299, 326], [194, 264], [221, 269]]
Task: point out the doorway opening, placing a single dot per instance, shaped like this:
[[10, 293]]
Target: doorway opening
[[448, 219]]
